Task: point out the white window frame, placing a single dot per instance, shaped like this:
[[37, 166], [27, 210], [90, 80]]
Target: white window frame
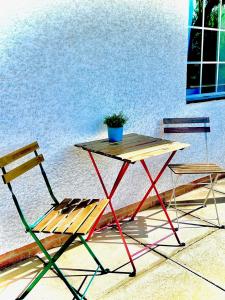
[[213, 95]]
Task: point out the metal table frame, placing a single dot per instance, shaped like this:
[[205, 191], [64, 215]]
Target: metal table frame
[[110, 194]]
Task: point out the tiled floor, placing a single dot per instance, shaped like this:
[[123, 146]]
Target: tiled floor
[[195, 271]]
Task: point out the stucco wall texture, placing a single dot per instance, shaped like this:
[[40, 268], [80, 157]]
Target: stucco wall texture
[[64, 65]]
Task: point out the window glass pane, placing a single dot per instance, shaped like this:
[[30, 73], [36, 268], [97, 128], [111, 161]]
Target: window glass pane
[[212, 12], [195, 13], [210, 45], [222, 46], [194, 49], [208, 78], [221, 78], [223, 15], [193, 79]]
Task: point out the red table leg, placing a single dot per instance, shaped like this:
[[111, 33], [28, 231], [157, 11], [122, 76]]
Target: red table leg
[[152, 186], [109, 196], [161, 202]]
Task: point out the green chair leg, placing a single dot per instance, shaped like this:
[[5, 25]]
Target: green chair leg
[[52, 264], [103, 270], [49, 265], [91, 211]]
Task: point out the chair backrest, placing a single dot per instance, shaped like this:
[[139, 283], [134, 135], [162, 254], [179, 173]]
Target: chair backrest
[[9, 176], [179, 125], [15, 155]]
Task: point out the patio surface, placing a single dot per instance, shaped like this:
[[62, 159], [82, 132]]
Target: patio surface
[[195, 271]]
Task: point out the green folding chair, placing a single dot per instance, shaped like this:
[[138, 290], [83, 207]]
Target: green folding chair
[[74, 217]]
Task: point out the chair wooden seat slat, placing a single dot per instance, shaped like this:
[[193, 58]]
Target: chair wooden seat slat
[[196, 168], [74, 217], [70, 221], [80, 219], [51, 216], [62, 213], [86, 226], [61, 228]]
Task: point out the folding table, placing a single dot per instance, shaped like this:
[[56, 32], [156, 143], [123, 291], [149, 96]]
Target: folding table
[[133, 148]]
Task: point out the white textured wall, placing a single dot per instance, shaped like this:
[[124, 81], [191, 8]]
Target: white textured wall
[[64, 65]]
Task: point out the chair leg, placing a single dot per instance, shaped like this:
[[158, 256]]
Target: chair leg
[[212, 183], [103, 270], [211, 189], [214, 198], [173, 196], [48, 266]]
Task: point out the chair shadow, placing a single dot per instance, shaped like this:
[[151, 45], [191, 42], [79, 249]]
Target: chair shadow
[[135, 230], [220, 200]]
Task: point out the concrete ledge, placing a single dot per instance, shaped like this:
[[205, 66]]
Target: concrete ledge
[[53, 241]]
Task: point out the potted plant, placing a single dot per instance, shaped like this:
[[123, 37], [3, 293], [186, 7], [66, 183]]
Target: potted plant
[[115, 124]]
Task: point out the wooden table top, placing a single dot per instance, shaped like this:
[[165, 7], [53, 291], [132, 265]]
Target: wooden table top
[[134, 147]]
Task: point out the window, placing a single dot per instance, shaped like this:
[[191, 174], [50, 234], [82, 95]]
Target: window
[[206, 50]]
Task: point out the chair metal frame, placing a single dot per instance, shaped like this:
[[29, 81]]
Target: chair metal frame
[[175, 177], [51, 264]]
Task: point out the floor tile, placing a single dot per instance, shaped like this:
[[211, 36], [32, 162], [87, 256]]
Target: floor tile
[[166, 282], [207, 257]]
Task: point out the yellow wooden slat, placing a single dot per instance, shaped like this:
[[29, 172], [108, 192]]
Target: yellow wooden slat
[[62, 226], [81, 218], [93, 217], [152, 153], [51, 215], [68, 221], [64, 213], [14, 173], [196, 168], [112, 149], [164, 146], [55, 222], [134, 147], [99, 145], [9, 158]]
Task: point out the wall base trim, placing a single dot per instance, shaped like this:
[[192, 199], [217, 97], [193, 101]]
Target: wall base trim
[[30, 250]]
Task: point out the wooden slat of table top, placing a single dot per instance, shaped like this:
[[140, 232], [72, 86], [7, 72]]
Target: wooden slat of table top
[[127, 139], [134, 147], [51, 215], [93, 217], [137, 146], [153, 151], [197, 168], [130, 141]]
